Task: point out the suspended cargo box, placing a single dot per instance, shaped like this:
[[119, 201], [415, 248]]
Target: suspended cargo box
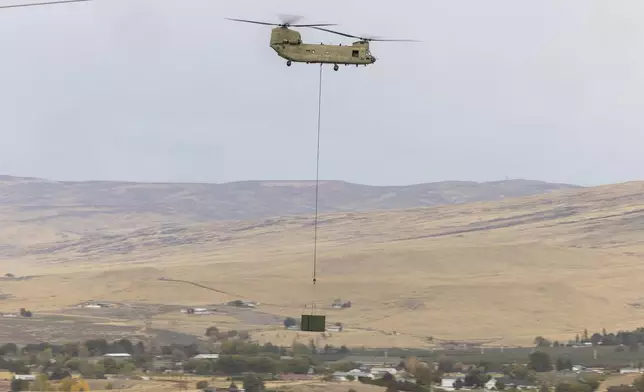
[[313, 323]]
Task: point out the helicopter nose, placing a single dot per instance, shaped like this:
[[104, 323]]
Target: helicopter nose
[[373, 59]]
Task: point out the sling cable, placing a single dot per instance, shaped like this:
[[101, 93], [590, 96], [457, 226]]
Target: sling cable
[[314, 322]]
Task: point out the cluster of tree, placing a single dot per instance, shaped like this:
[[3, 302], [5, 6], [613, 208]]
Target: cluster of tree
[[251, 383], [621, 338], [424, 374], [521, 372], [622, 388], [580, 385], [59, 366], [388, 381], [540, 361], [19, 367], [96, 347], [638, 386], [290, 322], [44, 383], [563, 363], [237, 364], [215, 334]]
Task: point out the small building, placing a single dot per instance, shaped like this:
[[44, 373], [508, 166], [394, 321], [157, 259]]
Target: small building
[[630, 370]]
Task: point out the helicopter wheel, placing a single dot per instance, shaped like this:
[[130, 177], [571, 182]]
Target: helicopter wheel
[[335, 67], [288, 63]]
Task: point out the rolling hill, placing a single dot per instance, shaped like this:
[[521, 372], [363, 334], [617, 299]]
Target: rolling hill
[[550, 263], [242, 200]]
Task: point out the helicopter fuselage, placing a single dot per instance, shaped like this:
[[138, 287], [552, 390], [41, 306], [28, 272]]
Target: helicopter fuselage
[[288, 45]]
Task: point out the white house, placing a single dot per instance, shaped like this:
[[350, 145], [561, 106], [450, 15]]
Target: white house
[[447, 382], [206, 356], [118, 355], [630, 370], [490, 385], [26, 377], [380, 371], [355, 373]]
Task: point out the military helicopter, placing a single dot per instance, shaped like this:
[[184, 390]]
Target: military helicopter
[[288, 45], [43, 3]]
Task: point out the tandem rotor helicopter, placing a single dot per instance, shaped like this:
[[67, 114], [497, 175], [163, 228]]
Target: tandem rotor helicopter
[[288, 45]]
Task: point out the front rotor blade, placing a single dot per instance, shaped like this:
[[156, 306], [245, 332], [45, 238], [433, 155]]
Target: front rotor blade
[[45, 3], [253, 21]]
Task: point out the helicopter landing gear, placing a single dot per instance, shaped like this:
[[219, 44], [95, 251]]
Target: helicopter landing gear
[[288, 63], [335, 67]]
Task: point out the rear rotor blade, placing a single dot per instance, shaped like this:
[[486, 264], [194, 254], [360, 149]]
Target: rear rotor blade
[[45, 3], [391, 40], [313, 25], [336, 32], [376, 38], [365, 38]]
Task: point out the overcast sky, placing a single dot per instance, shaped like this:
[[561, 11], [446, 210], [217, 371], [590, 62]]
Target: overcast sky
[[167, 90]]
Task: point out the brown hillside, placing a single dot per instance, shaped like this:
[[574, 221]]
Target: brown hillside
[[548, 265], [34, 199]]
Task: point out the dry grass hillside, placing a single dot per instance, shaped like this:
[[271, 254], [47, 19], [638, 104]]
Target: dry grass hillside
[[550, 264], [35, 198]]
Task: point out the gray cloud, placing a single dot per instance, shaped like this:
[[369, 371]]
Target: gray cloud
[[166, 90]]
